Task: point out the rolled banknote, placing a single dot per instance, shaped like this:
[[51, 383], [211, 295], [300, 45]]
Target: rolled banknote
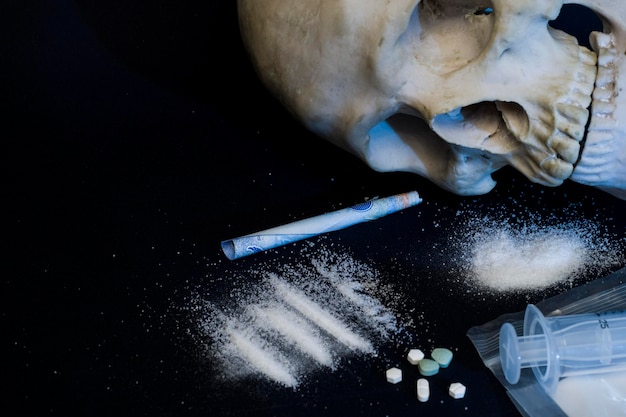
[[313, 226]]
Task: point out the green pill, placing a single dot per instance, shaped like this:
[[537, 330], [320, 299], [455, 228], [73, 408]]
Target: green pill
[[428, 367], [442, 356]]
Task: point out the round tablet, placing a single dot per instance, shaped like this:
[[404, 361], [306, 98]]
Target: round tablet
[[428, 367], [442, 356]]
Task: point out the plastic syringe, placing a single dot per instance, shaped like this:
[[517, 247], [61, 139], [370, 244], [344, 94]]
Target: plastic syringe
[[561, 346]]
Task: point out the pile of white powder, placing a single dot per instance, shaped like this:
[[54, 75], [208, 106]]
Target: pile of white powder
[[504, 256]]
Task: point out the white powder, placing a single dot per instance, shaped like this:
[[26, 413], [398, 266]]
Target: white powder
[[309, 309], [285, 322], [260, 356], [497, 255], [592, 395], [505, 260], [380, 316], [296, 330]]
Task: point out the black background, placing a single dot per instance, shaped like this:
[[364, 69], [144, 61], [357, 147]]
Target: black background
[[136, 138]]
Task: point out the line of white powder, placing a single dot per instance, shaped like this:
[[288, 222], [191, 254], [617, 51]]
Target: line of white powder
[[263, 360], [319, 316], [371, 308], [295, 330]]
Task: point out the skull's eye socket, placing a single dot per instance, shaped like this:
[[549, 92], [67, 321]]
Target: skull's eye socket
[[578, 21], [448, 35]]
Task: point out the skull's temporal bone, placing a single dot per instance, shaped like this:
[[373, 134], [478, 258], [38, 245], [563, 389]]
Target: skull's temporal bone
[[452, 90]]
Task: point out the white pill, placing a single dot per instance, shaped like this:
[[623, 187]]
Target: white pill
[[394, 375], [414, 356], [456, 390], [423, 390]]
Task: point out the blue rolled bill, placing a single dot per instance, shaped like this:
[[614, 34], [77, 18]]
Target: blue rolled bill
[[313, 226]]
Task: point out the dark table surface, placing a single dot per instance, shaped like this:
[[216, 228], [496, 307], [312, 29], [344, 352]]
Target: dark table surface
[[136, 139]]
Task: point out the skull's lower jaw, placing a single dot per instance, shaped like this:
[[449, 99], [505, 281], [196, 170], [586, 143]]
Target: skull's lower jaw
[[603, 159], [459, 151]]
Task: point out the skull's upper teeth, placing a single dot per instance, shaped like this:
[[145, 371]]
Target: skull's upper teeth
[[600, 40], [603, 156], [604, 92], [603, 106]]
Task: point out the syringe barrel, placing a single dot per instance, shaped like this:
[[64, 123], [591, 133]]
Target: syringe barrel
[[587, 343], [561, 346]]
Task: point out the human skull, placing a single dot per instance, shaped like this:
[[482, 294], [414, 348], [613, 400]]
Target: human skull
[[452, 90]]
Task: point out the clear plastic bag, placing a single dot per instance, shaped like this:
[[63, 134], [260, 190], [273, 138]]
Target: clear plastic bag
[[591, 395]]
